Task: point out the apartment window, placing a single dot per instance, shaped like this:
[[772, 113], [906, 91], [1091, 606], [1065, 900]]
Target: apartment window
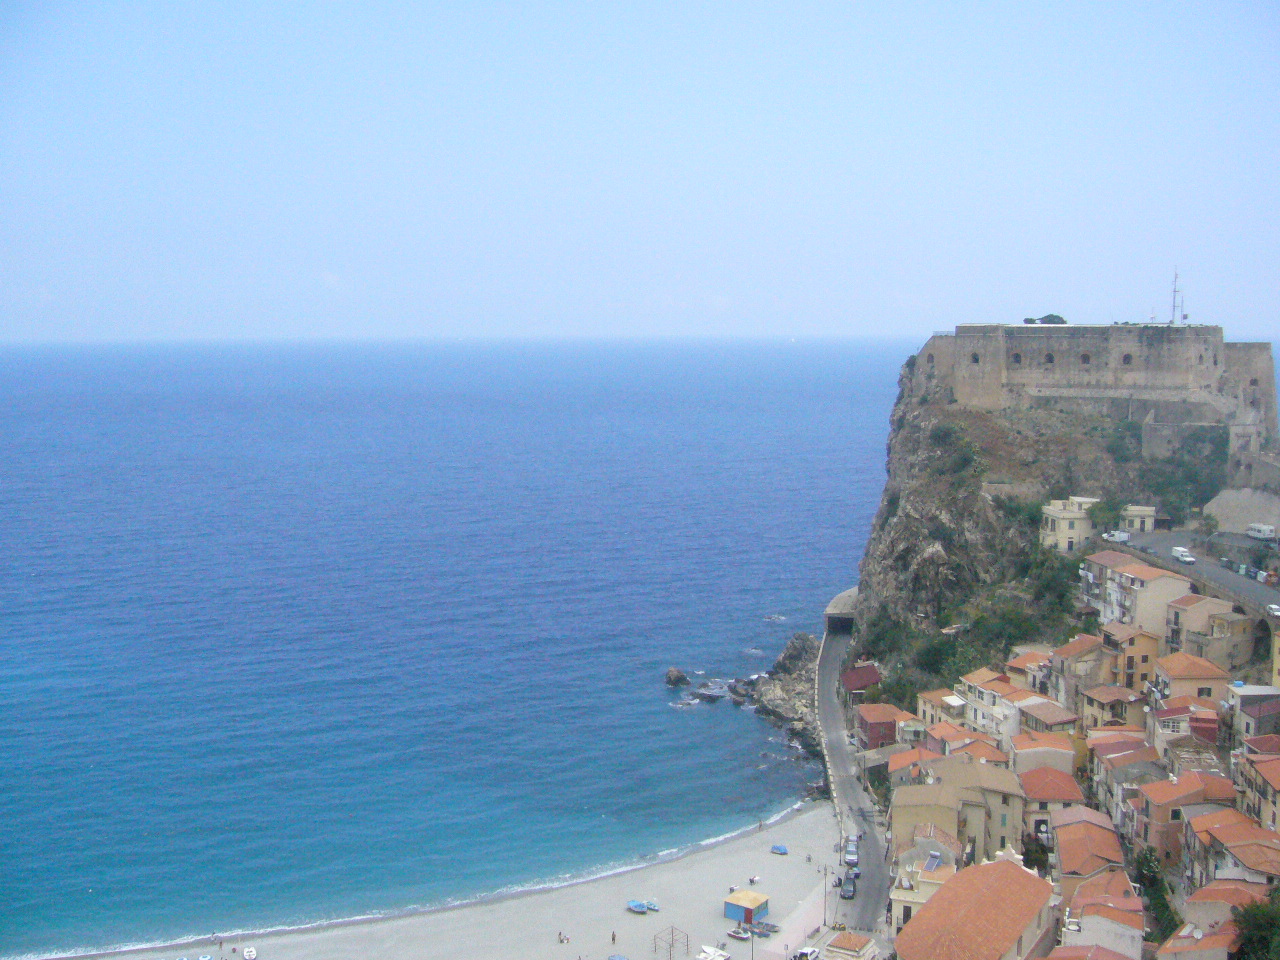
[[1017, 358], [1071, 524], [1002, 842], [1084, 359], [1144, 677], [973, 358], [1004, 798], [1145, 657], [1004, 822], [1127, 359], [1044, 805], [1048, 358], [1175, 813], [1204, 691]]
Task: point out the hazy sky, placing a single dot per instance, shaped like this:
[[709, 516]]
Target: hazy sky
[[222, 170]]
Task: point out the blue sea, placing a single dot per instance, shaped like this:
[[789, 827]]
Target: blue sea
[[297, 633]]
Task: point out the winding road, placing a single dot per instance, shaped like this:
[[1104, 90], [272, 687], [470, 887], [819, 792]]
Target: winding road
[[866, 912]]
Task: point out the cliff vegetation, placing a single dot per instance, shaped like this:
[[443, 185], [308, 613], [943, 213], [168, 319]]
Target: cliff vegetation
[[954, 575]]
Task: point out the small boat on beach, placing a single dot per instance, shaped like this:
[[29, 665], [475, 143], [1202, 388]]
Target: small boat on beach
[[779, 848], [739, 934], [653, 907], [637, 906]]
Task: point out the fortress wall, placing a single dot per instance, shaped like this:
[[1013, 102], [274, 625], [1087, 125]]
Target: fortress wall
[[935, 364], [1251, 379], [1169, 378], [1117, 358]]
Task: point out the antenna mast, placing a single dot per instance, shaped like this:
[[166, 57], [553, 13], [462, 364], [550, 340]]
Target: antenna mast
[[1173, 307]]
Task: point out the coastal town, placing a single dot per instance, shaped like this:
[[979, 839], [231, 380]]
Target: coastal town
[[1108, 793], [1027, 797]]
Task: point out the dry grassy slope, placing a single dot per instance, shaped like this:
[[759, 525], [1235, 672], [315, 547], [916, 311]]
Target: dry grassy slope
[[939, 535]]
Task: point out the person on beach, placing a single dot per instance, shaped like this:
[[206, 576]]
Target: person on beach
[[615, 936]]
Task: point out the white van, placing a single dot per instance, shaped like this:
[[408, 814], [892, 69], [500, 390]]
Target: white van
[[1182, 555], [1261, 531]]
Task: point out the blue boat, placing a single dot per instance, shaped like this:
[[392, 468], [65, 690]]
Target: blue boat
[[778, 848], [653, 907], [637, 906]]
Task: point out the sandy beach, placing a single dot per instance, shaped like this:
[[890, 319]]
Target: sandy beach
[[690, 892]]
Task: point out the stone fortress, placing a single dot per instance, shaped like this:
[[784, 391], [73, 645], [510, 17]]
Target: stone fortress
[[1169, 378]]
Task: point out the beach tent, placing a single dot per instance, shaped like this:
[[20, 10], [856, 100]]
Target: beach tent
[[746, 906]]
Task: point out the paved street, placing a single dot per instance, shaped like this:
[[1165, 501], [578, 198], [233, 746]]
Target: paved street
[[866, 911], [1206, 568]]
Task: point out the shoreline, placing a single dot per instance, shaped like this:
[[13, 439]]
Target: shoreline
[[426, 916]]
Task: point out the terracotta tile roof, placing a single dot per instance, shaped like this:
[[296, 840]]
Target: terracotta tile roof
[[1196, 703], [1185, 940], [1078, 814], [1187, 602], [1090, 952], [1183, 666], [1267, 743], [984, 751], [982, 675], [936, 696], [1261, 856], [1085, 848], [1034, 740], [1048, 784], [882, 713], [978, 914], [1238, 893], [850, 941], [1140, 754], [1170, 791], [1028, 660], [1267, 768], [1110, 558], [908, 757], [1207, 824], [1112, 883], [1050, 712], [1019, 695], [1111, 694], [1082, 643], [1144, 571], [1115, 914], [944, 729], [999, 687], [931, 833], [860, 677], [1265, 708]]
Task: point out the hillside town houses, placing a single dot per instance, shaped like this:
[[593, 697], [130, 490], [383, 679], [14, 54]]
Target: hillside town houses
[[1130, 739]]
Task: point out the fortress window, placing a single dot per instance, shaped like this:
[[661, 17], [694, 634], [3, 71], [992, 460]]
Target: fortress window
[[1127, 360], [1200, 359], [1084, 359], [973, 358], [931, 359], [1253, 381], [1017, 358], [1048, 358]]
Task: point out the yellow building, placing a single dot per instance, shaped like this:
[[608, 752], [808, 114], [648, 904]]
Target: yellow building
[[1065, 524]]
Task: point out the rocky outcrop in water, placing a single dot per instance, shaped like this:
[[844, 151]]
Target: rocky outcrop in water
[[676, 677], [785, 695]]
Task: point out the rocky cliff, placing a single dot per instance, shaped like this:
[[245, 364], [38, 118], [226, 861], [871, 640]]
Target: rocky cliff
[[786, 694], [955, 538]]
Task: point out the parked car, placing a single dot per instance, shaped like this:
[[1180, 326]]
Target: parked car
[[1273, 610], [851, 853], [807, 953], [848, 889], [1117, 536]]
